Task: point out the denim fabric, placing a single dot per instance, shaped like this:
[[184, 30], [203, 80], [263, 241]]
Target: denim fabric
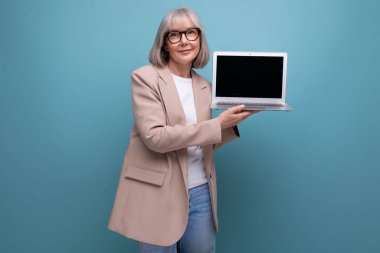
[[199, 236]]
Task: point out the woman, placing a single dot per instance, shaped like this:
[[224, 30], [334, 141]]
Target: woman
[[166, 198]]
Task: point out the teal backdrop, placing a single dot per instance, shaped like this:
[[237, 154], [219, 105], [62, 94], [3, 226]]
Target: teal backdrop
[[306, 181]]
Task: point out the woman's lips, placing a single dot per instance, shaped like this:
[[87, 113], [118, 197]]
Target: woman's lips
[[185, 51]]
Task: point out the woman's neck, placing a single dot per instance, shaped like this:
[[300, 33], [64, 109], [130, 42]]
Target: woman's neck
[[180, 70]]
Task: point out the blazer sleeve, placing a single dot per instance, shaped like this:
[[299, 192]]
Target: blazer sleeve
[[151, 123], [228, 135]]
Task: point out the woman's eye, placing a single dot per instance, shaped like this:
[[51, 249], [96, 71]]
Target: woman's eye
[[173, 35]]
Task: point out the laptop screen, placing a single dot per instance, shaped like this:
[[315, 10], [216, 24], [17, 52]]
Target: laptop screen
[[249, 76]]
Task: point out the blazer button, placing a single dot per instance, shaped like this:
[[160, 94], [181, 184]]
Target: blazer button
[[210, 175]]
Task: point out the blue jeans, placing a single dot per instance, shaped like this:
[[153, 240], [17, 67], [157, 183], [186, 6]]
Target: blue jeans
[[199, 236]]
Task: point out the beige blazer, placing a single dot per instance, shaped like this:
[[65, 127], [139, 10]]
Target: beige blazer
[[151, 203]]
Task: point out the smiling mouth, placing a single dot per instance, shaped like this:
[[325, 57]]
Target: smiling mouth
[[184, 51]]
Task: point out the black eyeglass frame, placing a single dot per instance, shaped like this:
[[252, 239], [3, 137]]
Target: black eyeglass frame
[[183, 32]]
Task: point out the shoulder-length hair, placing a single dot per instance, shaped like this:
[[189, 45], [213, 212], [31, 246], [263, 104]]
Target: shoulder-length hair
[[158, 55]]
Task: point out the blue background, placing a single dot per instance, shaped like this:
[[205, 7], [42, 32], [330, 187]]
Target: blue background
[[304, 181]]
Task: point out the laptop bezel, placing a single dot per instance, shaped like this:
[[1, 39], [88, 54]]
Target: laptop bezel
[[281, 100]]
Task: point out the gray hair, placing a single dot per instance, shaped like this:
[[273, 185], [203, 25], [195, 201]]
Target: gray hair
[[159, 57]]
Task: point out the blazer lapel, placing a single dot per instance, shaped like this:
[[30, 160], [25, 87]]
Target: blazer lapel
[[202, 98], [174, 113], [171, 100]]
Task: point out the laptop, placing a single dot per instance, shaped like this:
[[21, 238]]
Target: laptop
[[256, 79]]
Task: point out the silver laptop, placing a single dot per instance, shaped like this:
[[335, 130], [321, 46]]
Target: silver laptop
[[256, 79]]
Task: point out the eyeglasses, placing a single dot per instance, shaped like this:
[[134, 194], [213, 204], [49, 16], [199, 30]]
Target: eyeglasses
[[190, 34]]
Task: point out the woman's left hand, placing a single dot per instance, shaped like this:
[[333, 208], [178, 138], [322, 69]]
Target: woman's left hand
[[234, 115]]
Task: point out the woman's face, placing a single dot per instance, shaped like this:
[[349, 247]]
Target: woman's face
[[185, 51]]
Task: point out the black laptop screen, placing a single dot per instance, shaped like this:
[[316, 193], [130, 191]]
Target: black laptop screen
[[249, 76]]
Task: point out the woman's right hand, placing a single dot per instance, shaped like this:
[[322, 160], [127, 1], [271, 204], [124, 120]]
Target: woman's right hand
[[234, 115]]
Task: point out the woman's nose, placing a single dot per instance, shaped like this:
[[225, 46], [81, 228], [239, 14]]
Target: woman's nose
[[184, 38]]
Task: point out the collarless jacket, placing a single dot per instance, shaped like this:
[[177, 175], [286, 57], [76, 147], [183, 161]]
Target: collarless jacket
[[151, 203]]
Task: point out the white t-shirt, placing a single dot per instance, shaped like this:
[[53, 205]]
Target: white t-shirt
[[196, 168]]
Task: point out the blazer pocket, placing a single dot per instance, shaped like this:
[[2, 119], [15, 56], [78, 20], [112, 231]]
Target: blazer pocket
[[144, 174]]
